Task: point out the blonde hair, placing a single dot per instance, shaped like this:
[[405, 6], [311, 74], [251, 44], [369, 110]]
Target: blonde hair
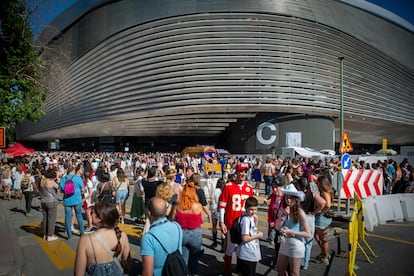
[[26, 177], [164, 191]]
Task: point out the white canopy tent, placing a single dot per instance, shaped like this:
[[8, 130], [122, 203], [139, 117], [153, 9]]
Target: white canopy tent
[[292, 152]]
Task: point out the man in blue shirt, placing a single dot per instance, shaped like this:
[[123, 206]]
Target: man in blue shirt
[[74, 201], [389, 166], [168, 233], [223, 163]]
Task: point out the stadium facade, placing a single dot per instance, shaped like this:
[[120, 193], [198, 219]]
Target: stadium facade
[[249, 75]]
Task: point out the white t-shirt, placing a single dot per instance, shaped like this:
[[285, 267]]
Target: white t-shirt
[[90, 185], [249, 251], [18, 176]]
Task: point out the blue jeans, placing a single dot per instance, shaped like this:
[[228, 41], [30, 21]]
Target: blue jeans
[[192, 240], [309, 241], [68, 219], [268, 183]]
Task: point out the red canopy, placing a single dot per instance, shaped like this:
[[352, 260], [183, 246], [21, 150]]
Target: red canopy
[[18, 149]]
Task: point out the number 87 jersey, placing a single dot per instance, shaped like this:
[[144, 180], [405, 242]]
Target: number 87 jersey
[[232, 199]]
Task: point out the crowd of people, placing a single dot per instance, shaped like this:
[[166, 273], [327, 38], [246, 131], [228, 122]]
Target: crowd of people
[[167, 198]]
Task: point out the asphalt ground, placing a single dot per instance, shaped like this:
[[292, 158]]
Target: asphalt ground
[[24, 252]]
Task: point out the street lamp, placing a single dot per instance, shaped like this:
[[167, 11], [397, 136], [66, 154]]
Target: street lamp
[[341, 89], [341, 128]]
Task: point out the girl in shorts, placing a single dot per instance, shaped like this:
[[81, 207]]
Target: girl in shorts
[[322, 220]]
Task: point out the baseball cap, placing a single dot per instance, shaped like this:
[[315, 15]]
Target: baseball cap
[[242, 167]]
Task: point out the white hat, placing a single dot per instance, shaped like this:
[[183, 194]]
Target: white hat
[[291, 190]]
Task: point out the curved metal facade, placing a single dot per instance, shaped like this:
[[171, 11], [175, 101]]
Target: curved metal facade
[[191, 68]]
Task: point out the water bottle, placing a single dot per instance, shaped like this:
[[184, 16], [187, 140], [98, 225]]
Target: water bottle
[[282, 235]]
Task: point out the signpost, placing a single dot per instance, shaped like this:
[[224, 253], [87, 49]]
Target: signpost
[[2, 137], [346, 145], [346, 161]]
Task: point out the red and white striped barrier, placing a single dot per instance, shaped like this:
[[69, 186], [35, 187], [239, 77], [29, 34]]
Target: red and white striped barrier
[[365, 183]]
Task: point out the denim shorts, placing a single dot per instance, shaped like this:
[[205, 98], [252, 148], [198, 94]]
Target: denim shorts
[[121, 195], [322, 222]]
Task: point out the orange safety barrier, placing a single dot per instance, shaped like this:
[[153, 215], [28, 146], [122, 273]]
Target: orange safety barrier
[[212, 167]]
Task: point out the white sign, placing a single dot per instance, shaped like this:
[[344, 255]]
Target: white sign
[[270, 128], [293, 139]]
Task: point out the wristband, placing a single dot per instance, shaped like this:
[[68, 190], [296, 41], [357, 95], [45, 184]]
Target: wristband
[[293, 234]]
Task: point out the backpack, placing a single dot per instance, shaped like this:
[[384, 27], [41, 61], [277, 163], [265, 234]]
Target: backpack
[[25, 183], [94, 197], [235, 231], [69, 188], [174, 264], [105, 195]]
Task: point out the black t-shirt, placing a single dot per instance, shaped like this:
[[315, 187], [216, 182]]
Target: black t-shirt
[[308, 204], [201, 196], [150, 188], [277, 180]]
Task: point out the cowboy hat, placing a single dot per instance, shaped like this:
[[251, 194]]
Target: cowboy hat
[[292, 191]]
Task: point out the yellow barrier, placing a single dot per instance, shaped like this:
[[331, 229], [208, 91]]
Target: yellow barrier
[[352, 243], [356, 233], [361, 228], [212, 168]]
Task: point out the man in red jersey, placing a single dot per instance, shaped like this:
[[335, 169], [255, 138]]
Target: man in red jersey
[[231, 206]]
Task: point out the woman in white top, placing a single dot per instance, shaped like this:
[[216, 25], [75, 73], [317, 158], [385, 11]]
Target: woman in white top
[[90, 199], [18, 176], [28, 187], [138, 206], [215, 198], [6, 181]]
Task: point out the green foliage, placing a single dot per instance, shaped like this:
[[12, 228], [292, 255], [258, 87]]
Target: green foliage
[[22, 93]]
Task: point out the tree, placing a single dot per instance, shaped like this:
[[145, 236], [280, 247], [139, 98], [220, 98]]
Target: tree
[[22, 90]]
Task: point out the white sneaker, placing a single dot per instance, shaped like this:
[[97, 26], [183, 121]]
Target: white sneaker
[[52, 238], [325, 261], [89, 230], [74, 230]]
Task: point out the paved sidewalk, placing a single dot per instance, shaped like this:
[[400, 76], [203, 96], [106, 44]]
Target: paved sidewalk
[[24, 252], [11, 258]]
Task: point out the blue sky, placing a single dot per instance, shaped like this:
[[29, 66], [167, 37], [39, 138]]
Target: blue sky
[[402, 8], [48, 9]]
